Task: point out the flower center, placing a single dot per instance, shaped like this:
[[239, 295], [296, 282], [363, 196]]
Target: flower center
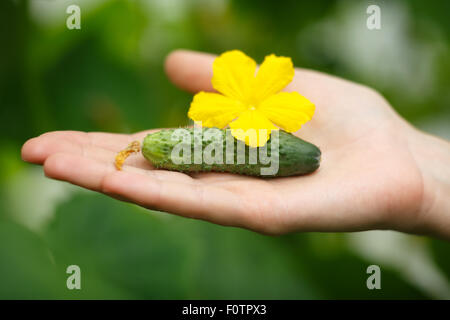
[[251, 108]]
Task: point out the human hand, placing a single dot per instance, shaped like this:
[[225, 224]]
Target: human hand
[[375, 171]]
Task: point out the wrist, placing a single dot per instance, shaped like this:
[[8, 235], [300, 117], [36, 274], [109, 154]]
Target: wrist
[[432, 156]]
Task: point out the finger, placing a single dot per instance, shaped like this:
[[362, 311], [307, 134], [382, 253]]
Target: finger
[[192, 71], [109, 141], [89, 173], [78, 170], [115, 141], [37, 150], [189, 199], [189, 70], [97, 145]]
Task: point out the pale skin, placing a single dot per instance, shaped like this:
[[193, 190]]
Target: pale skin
[[377, 171]]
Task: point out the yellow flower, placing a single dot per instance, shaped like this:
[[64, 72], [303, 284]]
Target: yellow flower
[[246, 101]]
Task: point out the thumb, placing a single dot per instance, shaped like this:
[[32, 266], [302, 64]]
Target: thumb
[[190, 70]]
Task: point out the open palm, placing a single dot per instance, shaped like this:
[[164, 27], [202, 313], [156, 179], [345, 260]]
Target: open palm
[[368, 178]]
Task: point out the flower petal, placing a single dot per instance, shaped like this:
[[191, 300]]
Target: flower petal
[[214, 110], [233, 74], [253, 128], [274, 74], [288, 110]]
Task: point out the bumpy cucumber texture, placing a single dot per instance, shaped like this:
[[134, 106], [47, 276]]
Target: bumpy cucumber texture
[[205, 150]]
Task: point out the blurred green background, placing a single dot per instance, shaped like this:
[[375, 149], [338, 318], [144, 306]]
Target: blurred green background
[[109, 76]]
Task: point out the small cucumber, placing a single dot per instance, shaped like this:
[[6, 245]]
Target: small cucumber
[[292, 156]]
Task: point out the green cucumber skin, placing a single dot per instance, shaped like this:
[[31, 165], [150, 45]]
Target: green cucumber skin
[[296, 156]]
